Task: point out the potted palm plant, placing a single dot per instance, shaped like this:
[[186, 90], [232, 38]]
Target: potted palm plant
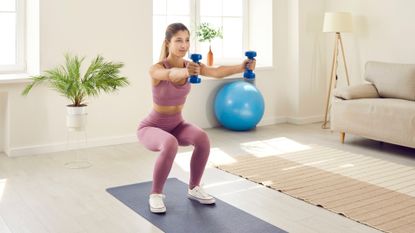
[[206, 32], [100, 76]]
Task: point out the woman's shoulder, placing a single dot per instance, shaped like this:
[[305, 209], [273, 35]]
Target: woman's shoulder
[[155, 67], [158, 65]]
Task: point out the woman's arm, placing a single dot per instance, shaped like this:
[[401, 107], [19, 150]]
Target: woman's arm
[[158, 72], [223, 71]]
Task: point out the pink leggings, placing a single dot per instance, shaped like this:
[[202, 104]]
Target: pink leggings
[[164, 133]]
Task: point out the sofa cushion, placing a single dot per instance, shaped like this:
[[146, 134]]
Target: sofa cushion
[[364, 90], [392, 80]]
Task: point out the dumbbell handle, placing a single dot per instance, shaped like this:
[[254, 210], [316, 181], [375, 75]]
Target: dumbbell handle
[[249, 74], [195, 57]]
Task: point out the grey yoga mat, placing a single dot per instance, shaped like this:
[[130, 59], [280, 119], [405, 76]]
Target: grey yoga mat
[[186, 216]]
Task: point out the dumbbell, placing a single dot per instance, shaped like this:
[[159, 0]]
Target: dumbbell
[[195, 57], [249, 74]]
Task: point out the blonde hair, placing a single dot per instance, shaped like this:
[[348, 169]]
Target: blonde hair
[[171, 30]]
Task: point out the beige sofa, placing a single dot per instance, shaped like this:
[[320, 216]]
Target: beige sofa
[[382, 109]]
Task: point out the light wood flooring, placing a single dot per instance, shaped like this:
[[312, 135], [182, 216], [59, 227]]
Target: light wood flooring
[[38, 194]]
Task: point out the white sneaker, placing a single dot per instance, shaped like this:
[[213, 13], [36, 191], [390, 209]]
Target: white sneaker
[[156, 203], [198, 194]]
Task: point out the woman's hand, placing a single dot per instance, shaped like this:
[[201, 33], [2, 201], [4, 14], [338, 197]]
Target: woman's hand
[[193, 68], [177, 75], [248, 63]]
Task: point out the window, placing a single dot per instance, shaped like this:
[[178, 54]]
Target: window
[[12, 42], [225, 14]]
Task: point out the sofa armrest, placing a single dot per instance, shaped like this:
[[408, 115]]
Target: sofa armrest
[[366, 90]]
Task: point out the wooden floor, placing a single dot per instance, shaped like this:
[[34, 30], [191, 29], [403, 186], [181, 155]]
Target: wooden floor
[[38, 194]]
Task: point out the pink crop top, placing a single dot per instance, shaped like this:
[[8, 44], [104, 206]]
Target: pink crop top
[[166, 93]]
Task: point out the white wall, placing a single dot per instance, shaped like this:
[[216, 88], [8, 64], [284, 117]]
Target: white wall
[[261, 37], [118, 30], [312, 60], [121, 31], [384, 31], [303, 58]]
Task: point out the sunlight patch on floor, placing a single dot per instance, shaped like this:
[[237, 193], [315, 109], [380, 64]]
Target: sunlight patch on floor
[[242, 190], [183, 160], [219, 157], [274, 146], [267, 182], [216, 184], [346, 165], [307, 164], [216, 157]]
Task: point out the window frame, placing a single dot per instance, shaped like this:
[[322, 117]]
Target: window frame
[[20, 65], [245, 32], [194, 18]]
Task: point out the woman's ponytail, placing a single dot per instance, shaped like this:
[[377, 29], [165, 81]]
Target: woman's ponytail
[[164, 51]]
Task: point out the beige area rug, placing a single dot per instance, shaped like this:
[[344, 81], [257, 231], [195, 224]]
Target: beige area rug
[[368, 190]]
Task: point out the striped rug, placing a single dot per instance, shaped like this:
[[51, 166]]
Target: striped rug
[[368, 190]]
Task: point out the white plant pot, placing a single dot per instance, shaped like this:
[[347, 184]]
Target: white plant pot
[[76, 118]]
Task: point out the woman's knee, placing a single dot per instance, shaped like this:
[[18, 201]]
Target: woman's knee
[[201, 139], [170, 144]]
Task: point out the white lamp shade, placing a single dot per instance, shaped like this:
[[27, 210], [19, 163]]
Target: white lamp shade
[[337, 22]]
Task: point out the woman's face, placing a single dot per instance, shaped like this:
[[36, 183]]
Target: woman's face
[[179, 43]]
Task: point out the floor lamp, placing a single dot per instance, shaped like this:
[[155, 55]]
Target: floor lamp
[[336, 22]]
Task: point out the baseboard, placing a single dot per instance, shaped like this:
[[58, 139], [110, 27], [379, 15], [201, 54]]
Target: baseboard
[[50, 148], [304, 120], [291, 120], [272, 121]]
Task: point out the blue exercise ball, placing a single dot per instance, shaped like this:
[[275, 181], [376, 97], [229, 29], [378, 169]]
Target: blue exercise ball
[[239, 106]]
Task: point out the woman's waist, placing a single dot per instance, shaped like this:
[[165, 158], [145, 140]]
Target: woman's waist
[[163, 120], [163, 109]]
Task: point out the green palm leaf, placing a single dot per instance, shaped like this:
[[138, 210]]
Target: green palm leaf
[[101, 76]]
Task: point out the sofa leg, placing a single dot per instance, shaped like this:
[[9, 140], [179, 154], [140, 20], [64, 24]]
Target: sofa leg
[[342, 136]]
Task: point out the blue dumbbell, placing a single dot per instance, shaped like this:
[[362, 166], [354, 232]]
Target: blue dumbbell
[[195, 57], [249, 74]]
